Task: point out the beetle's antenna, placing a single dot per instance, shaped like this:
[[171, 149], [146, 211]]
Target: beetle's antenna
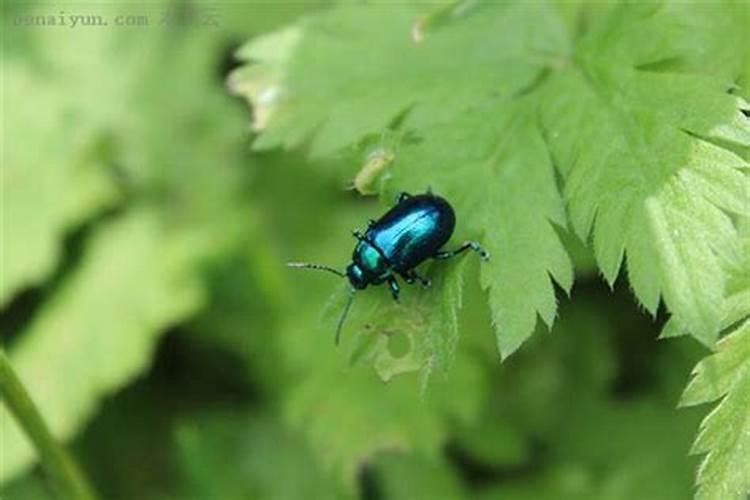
[[317, 267], [344, 315]]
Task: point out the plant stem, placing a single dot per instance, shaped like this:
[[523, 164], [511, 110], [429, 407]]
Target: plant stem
[[54, 458]]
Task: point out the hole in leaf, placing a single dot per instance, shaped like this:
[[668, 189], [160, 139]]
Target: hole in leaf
[[398, 345]]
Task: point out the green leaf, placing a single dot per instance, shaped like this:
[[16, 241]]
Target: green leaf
[[514, 207], [640, 168], [99, 331], [725, 434], [346, 78], [725, 375], [485, 107], [736, 305]]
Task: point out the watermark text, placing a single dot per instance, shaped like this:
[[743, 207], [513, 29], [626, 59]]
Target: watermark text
[[196, 17]]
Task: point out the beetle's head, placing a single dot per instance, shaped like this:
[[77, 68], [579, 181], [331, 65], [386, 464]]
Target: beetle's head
[[356, 277]]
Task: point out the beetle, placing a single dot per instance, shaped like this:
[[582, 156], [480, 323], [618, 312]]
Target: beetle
[[412, 231]]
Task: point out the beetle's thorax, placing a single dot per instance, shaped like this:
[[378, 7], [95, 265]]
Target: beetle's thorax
[[371, 262]]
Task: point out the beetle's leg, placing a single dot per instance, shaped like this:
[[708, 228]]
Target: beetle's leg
[[370, 222], [412, 276], [358, 235], [403, 195], [393, 284], [469, 245]]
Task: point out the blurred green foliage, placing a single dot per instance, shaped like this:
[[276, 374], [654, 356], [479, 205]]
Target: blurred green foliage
[[146, 305]]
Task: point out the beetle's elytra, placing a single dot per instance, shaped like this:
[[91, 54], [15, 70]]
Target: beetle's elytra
[[411, 232]]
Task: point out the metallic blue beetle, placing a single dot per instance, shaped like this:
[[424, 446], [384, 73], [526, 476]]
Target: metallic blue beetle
[[407, 235]]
